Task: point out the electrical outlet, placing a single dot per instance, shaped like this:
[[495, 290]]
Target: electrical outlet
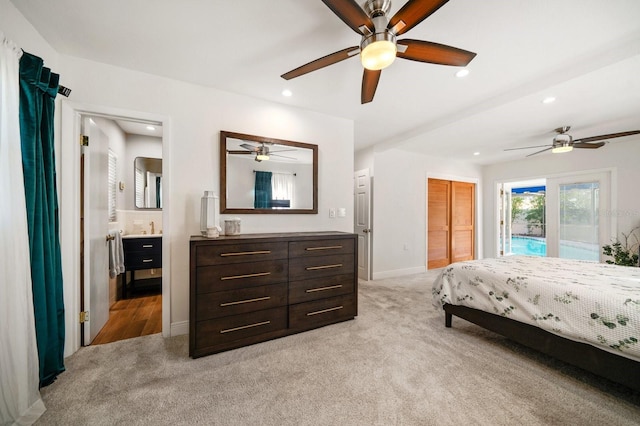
[[332, 212]]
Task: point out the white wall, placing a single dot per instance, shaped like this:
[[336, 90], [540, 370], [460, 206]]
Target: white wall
[[400, 198], [623, 156], [197, 115]]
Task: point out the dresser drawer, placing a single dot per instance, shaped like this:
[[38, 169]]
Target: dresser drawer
[[321, 247], [240, 253], [144, 245], [228, 329], [234, 302], [321, 288], [227, 277], [303, 316], [305, 268]]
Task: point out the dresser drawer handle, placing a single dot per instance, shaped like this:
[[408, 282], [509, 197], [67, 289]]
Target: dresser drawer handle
[[337, 308], [323, 248], [258, 324], [315, 268], [245, 253], [240, 302], [331, 287], [235, 277], [147, 246], [147, 260]]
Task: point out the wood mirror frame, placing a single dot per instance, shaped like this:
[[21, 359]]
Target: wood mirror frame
[[225, 208]]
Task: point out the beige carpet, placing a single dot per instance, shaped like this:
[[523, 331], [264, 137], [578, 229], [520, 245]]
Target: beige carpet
[[395, 364]]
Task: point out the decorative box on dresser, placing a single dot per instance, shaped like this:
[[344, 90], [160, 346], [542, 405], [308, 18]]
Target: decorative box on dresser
[[246, 289]]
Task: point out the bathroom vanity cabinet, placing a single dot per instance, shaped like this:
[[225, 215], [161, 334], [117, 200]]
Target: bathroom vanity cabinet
[[140, 253], [246, 289]]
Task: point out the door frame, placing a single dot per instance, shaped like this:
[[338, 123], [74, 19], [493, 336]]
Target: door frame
[[68, 165]]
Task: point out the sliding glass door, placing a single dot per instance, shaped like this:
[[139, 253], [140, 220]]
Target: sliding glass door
[[576, 227]]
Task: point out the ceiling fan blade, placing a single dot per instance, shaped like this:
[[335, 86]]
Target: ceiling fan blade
[[351, 13], [282, 156], [325, 61], [609, 136], [249, 147], [526, 147], [587, 145], [414, 12], [230, 151], [538, 152], [369, 85], [434, 53]]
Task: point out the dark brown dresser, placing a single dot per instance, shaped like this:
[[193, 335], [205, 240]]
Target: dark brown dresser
[[246, 289]]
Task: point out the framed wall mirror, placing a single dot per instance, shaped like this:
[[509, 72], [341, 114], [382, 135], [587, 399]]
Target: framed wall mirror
[[147, 179], [260, 175]]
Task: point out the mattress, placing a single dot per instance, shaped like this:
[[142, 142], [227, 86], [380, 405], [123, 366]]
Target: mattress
[[585, 301]]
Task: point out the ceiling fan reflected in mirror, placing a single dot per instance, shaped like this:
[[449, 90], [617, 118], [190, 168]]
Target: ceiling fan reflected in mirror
[[563, 142], [262, 152], [379, 46]]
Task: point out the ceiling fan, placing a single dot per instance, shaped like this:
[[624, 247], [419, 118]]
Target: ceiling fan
[[563, 142], [262, 151], [379, 47]]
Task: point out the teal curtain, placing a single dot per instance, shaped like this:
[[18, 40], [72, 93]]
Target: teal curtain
[[262, 191], [38, 89]]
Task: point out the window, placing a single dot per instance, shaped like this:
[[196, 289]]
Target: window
[[112, 185], [282, 189]]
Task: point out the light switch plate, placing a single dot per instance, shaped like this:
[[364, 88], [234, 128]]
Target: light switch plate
[[332, 212], [342, 212]]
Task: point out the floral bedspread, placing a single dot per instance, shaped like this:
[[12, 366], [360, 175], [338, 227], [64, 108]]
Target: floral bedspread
[[585, 301]]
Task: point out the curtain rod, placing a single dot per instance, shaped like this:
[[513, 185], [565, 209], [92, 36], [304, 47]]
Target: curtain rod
[[62, 90]]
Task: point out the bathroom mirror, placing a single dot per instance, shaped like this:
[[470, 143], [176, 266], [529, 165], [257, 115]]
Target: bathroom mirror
[[262, 175], [147, 178]]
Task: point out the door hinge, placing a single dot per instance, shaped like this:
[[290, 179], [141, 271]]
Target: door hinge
[[84, 317], [84, 140], [502, 222]]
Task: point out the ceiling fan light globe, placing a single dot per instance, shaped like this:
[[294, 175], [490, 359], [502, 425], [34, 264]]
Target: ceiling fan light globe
[[378, 55], [262, 157], [561, 149]]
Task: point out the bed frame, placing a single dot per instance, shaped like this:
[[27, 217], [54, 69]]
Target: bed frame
[[606, 364]]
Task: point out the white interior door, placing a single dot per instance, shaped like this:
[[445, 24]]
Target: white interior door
[[96, 224], [576, 227], [362, 221]]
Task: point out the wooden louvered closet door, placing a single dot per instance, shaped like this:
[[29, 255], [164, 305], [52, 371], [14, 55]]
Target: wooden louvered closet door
[[451, 224]]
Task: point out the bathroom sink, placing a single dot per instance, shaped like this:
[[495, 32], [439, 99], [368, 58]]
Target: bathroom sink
[[141, 235]]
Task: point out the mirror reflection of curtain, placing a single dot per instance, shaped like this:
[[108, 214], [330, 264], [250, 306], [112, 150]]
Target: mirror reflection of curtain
[[159, 192], [262, 190], [282, 187]]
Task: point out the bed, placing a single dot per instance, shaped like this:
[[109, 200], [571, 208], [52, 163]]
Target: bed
[[583, 313]]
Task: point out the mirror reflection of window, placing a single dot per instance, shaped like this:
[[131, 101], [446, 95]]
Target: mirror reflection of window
[[282, 185]]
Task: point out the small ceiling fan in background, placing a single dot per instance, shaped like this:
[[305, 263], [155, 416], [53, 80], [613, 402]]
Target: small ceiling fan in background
[[563, 142], [379, 46], [262, 151]]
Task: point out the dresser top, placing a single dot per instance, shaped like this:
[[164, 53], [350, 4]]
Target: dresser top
[[275, 235]]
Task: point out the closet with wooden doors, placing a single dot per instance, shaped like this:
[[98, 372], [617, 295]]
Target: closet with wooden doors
[[450, 222]]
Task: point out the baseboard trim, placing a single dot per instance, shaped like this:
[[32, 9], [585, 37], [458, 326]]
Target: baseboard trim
[[398, 272], [179, 328]]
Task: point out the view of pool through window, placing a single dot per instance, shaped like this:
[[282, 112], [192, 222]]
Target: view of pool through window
[[532, 246]]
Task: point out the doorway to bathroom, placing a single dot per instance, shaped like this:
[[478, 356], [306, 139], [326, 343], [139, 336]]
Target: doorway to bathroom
[[121, 228]]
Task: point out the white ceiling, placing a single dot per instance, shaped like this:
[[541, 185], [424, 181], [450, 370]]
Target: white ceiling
[[586, 53]]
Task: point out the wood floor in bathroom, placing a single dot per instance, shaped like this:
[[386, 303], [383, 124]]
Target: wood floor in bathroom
[[138, 316]]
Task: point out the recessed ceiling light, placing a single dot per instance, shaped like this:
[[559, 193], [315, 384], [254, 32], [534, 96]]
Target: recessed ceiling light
[[462, 73], [150, 128], [548, 100], [287, 93], [476, 153]]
